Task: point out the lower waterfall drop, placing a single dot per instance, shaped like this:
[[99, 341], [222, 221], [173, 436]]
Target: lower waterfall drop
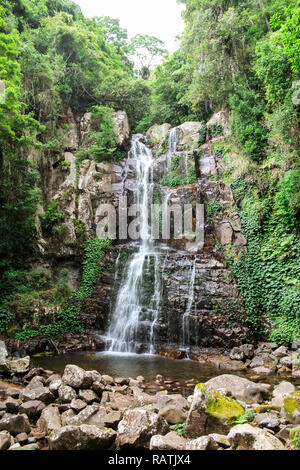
[[186, 315]]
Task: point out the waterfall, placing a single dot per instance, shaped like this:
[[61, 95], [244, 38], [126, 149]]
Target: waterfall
[[133, 317], [173, 141], [186, 164], [185, 318]]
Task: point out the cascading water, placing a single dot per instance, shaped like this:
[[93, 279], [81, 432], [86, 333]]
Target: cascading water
[[186, 315], [132, 316], [173, 141], [186, 164]]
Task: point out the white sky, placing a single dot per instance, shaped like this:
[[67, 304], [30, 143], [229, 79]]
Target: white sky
[[160, 18]]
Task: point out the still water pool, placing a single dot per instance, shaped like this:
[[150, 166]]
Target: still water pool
[[131, 365]]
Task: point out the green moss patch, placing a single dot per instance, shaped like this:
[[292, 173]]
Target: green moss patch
[[292, 404], [224, 407]]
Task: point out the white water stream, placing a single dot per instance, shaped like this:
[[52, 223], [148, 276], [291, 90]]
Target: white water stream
[[135, 314], [130, 317]]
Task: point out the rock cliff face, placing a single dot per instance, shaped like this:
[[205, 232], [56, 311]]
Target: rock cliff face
[[77, 187], [198, 285], [200, 304]]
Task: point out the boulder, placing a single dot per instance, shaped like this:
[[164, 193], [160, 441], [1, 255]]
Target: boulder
[[98, 387], [112, 419], [295, 345], [94, 375], [120, 402], [236, 354], [291, 408], [220, 118], [172, 407], [248, 350], [92, 415], [5, 441], [224, 233], [84, 437], [268, 420], [240, 388], [220, 439], [137, 427], [247, 437], [12, 405], [66, 394], [16, 446], [263, 371], [170, 441], [19, 365], [30, 447], [76, 377], [88, 396], [21, 438], [202, 443], [39, 393], [173, 414], [15, 424], [263, 359], [108, 379], [67, 416], [189, 133], [121, 127], [281, 391], [36, 382], [78, 405], [210, 412], [286, 361], [50, 420], [32, 408], [53, 378], [54, 386], [158, 133], [280, 352]]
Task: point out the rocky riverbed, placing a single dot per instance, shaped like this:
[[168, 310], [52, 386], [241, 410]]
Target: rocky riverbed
[[87, 410]]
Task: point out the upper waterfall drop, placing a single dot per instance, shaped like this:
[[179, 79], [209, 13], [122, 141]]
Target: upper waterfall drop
[[132, 317]]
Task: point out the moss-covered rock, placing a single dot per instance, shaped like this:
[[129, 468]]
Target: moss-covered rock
[[211, 412], [223, 407], [291, 408], [267, 408]]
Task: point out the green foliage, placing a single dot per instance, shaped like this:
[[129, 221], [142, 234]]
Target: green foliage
[[215, 130], [173, 180], [146, 48], [290, 34], [179, 428], [202, 136], [213, 208], [246, 122], [295, 437], [66, 318], [93, 255], [51, 217], [65, 164], [168, 87], [103, 136], [268, 274], [6, 317], [247, 417]]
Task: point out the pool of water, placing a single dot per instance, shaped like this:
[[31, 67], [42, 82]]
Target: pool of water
[[132, 365]]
